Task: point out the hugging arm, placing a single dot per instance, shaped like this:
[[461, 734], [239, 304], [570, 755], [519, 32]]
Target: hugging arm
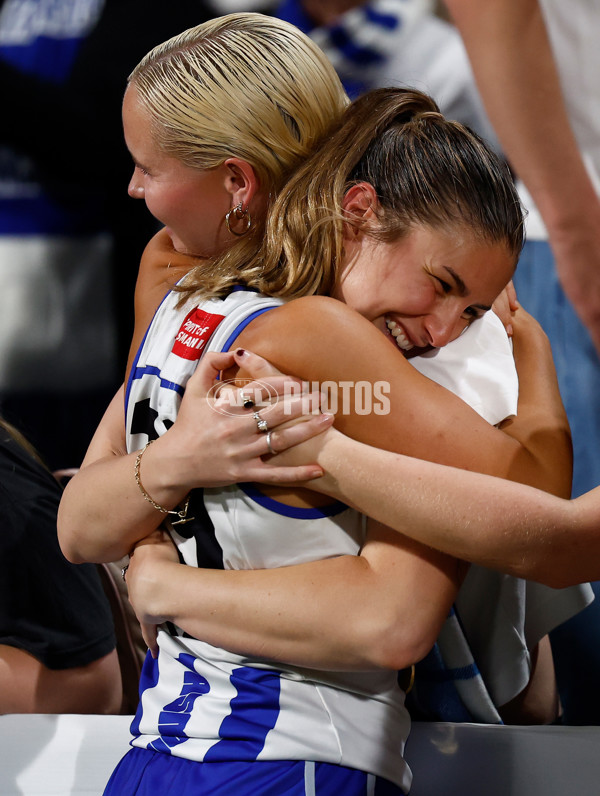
[[382, 609], [424, 419], [103, 514], [300, 613], [488, 521]]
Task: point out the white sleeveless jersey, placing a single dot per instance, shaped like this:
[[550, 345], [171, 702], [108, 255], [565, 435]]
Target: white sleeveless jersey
[[204, 703]]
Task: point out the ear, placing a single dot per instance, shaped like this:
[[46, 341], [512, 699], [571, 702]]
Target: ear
[[240, 181], [359, 206]]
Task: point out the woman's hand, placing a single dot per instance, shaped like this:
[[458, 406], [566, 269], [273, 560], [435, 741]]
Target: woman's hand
[[214, 441], [148, 568], [216, 438], [505, 306]]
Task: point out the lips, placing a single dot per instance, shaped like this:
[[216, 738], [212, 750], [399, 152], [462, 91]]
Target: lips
[[399, 335]]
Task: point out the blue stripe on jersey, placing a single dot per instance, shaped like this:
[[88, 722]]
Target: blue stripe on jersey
[[291, 511], [174, 717], [254, 711], [241, 326], [148, 679], [151, 370]]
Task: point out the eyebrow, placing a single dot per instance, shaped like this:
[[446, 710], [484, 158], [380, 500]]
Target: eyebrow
[[462, 288]]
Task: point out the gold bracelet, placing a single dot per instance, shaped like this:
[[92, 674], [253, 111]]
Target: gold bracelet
[[181, 513]]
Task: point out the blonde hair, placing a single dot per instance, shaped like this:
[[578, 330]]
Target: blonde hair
[[425, 170], [242, 85]]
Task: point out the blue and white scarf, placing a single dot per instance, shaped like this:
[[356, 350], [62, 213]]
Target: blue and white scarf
[[360, 41]]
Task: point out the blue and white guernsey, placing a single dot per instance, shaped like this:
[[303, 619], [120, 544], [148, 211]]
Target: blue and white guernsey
[[203, 703]]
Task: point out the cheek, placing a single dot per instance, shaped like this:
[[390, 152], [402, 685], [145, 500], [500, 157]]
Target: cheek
[[460, 326], [416, 299], [172, 209], [155, 200]]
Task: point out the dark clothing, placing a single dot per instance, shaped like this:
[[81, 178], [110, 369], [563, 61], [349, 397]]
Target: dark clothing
[[55, 610], [68, 132]]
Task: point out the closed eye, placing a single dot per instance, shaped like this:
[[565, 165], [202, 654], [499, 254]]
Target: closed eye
[[472, 313], [446, 286]]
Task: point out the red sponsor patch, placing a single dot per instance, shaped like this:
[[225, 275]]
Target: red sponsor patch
[[194, 333]]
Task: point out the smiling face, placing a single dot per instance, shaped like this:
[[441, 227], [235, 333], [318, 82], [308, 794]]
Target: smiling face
[[191, 202], [425, 289]]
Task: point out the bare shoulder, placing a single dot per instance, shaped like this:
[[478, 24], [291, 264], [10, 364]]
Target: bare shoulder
[[318, 337], [323, 341], [161, 267]]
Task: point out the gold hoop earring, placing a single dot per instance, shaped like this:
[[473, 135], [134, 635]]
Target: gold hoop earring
[[238, 214]]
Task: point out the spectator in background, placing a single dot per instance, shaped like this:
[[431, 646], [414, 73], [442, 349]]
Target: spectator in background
[[69, 235], [393, 43], [544, 104], [57, 646]]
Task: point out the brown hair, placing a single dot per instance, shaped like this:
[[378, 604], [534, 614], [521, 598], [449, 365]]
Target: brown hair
[[425, 170]]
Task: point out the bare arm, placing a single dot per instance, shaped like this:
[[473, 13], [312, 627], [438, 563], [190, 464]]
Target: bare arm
[[488, 521], [27, 686], [424, 419], [508, 47], [382, 609], [103, 514]]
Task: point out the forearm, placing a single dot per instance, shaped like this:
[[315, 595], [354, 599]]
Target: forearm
[[333, 614], [517, 76], [103, 513], [488, 521], [541, 424]]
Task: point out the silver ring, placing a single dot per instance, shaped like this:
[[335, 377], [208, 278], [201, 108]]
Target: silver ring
[[124, 571], [269, 446], [247, 402], [261, 424]]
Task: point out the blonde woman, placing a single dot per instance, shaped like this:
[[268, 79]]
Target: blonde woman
[[235, 105]]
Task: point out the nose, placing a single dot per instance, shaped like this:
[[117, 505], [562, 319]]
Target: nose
[[135, 189], [442, 328]]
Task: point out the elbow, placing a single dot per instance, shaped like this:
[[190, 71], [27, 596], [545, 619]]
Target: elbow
[[549, 571], [66, 541], [555, 580], [398, 643], [69, 540], [76, 546], [70, 550], [75, 553]]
